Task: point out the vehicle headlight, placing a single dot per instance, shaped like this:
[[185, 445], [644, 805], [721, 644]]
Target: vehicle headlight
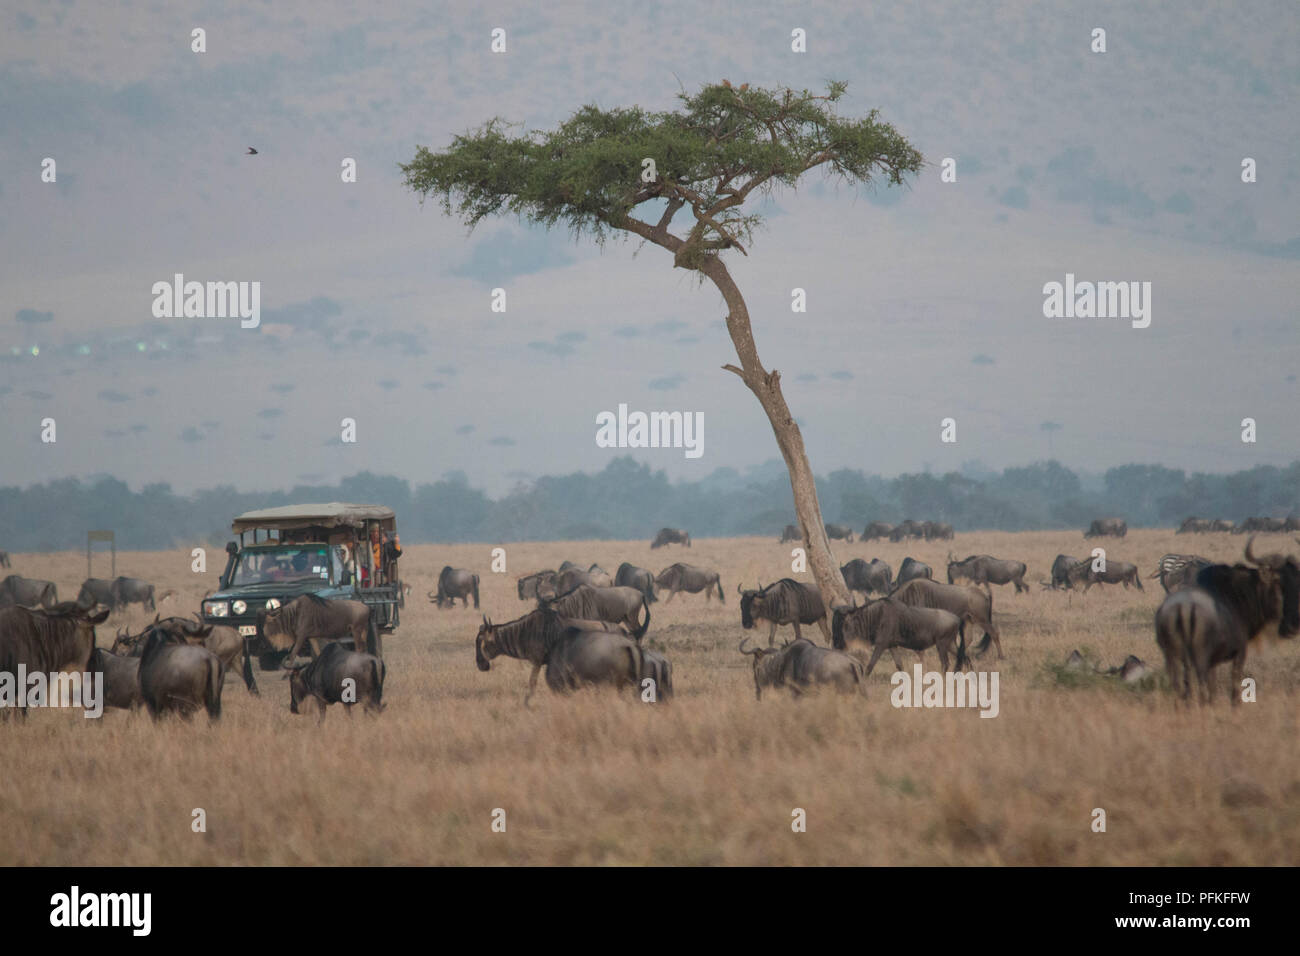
[[239, 607], [272, 604], [216, 609]]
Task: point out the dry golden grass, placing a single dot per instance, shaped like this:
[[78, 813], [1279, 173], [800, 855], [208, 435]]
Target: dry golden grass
[[711, 778]]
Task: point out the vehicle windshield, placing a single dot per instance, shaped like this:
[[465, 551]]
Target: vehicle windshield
[[282, 564]]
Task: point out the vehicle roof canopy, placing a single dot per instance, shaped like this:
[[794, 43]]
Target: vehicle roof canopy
[[334, 514]]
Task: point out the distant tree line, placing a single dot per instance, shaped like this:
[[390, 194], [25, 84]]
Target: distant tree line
[[629, 500]]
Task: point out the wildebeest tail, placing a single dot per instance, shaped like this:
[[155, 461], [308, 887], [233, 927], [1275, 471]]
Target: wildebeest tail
[[963, 661], [249, 682], [640, 632], [476, 591], [721, 597], [216, 677], [377, 670]]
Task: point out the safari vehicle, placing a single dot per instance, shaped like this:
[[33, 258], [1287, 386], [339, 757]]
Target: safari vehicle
[[321, 549]]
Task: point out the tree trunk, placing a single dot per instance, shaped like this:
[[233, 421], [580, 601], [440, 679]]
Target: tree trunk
[[766, 386]]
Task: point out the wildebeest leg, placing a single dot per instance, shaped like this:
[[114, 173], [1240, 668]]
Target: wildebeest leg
[[1234, 687], [942, 648], [671, 595], [798, 635], [898, 661], [248, 670], [875, 656], [532, 683], [320, 702], [826, 630], [771, 635]]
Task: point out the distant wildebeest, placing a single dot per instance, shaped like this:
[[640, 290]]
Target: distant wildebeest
[[970, 604], [839, 532], [1199, 628], [937, 530], [1131, 671], [318, 620], [910, 570], [888, 625], [985, 569], [1178, 571], [687, 577], [96, 591], [568, 566], [1195, 526], [865, 578], [1107, 527], [121, 679], [671, 536], [791, 533], [615, 605], [877, 529], [529, 583], [571, 578], [1222, 524], [27, 592], [226, 642], [132, 591], [801, 666], [908, 529], [530, 638], [455, 583], [655, 667], [786, 602], [178, 676], [630, 576], [57, 639], [4, 560], [1259, 524], [1116, 572], [1065, 571], [324, 680]]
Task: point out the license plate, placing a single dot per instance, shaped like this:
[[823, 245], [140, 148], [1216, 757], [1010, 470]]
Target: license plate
[[247, 630]]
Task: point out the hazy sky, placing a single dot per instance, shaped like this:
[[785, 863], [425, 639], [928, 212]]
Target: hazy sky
[[922, 304]]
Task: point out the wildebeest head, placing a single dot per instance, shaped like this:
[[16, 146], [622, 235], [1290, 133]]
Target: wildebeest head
[[750, 601], [297, 678], [767, 663], [1283, 573], [485, 645]]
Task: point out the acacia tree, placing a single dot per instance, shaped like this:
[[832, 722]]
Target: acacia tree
[[602, 171]]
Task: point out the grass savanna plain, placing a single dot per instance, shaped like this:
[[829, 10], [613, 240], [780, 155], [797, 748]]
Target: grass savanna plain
[[711, 778]]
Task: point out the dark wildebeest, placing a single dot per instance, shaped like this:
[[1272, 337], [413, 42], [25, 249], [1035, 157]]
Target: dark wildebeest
[[582, 657], [121, 679], [786, 602], [323, 679], [133, 591], [1178, 571], [908, 529], [1107, 527], [568, 566], [4, 560], [598, 577], [319, 620], [687, 577], [985, 569], [1223, 524], [877, 529], [1266, 525], [96, 591], [530, 638], [801, 666], [791, 533], [1065, 571], [572, 578], [1195, 526], [455, 583], [1116, 572], [226, 642], [839, 532], [176, 675], [614, 605], [48, 641], [630, 576], [655, 667], [1201, 627], [937, 530], [27, 592], [970, 604], [671, 536], [911, 570], [865, 578], [887, 625], [529, 583]]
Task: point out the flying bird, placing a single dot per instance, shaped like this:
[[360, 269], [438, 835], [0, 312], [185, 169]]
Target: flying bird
[[251, 152]]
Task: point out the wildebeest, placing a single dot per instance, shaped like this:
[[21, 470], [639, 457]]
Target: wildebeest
[[839, 532], [319, 620], [616, 605], [865, 578], [791, 533], [908, 529], [27, 592], [1065, 571], [1201, 627], [1107, 527], [132, 591], [1195, 526], [583, 657], [985, 569], [1222, 524], [671, 536], [655, 667], [687, 577], [1258, 524], [532, 638], [530, 583], [786, 602], [937, 530], [910, 570], [455, 583], [1116, 572], [801, 666], [121, 679], [57, 639], [1178, 571], [571, 578], [323, 679], [178, 676], [630, 576], [96, 591], [598, 577], [970, 604], [887, 625], [226, 642], [1131, 671], [4, 560], [567, 566], [877, 529]]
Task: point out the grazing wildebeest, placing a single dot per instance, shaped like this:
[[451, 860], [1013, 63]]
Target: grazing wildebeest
[[615, 605], [57, 639], [27, 592], [1117, 572], [839, 532], [572, 578], [1178, 571], [1107, 527], [226, 642], [1065, 570], [585, 658], [865, 578], [877, 529], [970, 604], [96, 591], [568, 566], [319, 620], [655, 667], [530, 638], [687, 577], [801, 666], [791, 533], [887, 625], [911, 570], [1195, 526], [455, 583], [630, 576], [121, 679], [176, 675], [529, 583], [985, 569], [786, 602], [1258, 524], [908, 529], [671, 536], [1222, 524], [1201, 627], [937, 530], [323, 679], [133, 591]]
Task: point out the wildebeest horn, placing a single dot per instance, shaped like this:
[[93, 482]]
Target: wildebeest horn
[[1265, 561], [738, 590], [743, 641]]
